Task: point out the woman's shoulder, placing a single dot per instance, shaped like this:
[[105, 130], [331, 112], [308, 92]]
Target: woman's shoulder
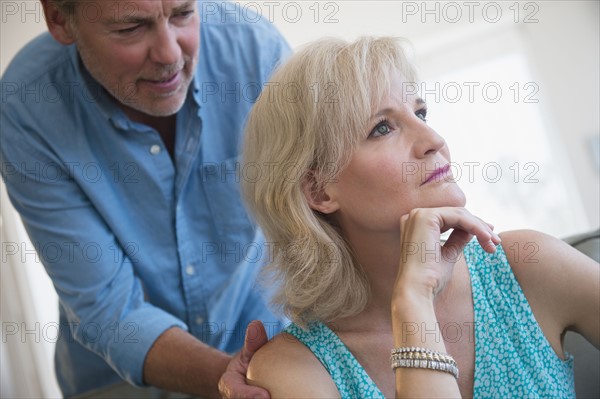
[[528, 250], [286, 367], [537, 260], [560, 283]]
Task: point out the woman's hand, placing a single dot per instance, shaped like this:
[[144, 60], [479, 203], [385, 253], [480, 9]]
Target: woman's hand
[[425, 267], [425, 264]]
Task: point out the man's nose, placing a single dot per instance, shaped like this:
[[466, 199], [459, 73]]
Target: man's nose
[[165, 50]]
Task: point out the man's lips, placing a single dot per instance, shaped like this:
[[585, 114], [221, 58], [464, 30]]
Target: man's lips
[[168, 83], [439, 173], [166, 79], [161, 80]]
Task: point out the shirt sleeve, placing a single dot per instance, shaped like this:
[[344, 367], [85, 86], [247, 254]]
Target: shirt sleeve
[[280, 52], [92, 272]]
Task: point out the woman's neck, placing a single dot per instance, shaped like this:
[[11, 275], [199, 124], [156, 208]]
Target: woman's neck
[[379, 255]]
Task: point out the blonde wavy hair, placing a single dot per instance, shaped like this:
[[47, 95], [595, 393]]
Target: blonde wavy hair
[[302, 131]]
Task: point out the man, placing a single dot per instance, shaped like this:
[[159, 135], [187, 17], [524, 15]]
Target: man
[[119, 145]]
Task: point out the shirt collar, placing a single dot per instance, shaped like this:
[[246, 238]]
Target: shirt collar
[[195, 90]]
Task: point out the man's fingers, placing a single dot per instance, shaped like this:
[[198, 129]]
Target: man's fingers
[[256, 337], [234, 385]]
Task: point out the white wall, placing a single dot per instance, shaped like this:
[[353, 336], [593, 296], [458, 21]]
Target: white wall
[[28, 301], [564, 50]]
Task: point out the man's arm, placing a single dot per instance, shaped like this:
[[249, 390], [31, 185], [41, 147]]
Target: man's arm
[[179, 362], [91, 270], [100, 288]]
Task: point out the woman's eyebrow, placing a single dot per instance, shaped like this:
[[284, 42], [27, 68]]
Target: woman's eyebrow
[[388, 110], [381, 113]]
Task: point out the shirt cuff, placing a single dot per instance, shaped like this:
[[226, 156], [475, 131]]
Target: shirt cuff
[[133, 338]]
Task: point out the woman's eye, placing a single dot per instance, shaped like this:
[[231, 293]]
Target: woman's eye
[[381, 129], [422, 114]]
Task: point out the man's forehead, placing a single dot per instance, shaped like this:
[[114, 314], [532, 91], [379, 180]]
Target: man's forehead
[[115, 11]]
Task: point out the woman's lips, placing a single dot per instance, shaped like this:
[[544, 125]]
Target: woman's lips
[[438, 174]]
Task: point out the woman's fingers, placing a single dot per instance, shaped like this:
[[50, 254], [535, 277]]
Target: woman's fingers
[[461, 219], [455, 244], [425, 224], [425, 262]]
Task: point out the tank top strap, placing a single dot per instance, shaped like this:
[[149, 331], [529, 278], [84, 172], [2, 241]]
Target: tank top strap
[[346, 372]]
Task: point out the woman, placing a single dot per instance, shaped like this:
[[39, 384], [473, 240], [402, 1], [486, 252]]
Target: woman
[[360, 193]]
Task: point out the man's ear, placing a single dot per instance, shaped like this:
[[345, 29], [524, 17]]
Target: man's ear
[[317, 196], [58, 23]]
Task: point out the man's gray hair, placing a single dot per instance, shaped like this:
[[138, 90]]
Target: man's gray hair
[[67, 7]]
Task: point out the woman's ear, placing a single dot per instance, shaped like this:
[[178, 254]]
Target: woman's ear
[[59, 25], [317, 196]]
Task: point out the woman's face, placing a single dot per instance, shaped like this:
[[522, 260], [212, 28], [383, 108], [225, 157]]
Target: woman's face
[[401, 164]]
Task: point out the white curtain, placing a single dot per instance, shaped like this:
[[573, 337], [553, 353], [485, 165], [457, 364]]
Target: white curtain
[[29, 313]]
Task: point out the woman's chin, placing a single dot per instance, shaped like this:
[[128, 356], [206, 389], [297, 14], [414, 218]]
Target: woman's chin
[[454, 196]]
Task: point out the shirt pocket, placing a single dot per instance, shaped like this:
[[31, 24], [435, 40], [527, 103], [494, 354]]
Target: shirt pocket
[[222, 187]]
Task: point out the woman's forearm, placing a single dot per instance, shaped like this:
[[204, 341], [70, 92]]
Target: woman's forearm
[[415, 325]]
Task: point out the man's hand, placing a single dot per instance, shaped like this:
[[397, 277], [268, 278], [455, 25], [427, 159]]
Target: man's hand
[[233, 382]]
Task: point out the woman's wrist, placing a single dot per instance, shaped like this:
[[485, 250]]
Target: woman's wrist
[[409, 293], [414, 322], [417, 283]]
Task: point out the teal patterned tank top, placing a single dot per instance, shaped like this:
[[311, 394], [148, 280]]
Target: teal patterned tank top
[[513, 358]]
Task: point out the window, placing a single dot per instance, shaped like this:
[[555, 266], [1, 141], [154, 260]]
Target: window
[[506, 157]]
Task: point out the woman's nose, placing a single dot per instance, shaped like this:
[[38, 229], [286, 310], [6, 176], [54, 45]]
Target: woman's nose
[[428, 141]]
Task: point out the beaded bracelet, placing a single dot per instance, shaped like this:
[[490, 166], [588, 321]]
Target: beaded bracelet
[[414, 357], [433, 356]]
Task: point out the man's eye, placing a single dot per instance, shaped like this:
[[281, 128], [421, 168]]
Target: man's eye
[[382, 129], [185, 14], [422, 114], [128, 30]]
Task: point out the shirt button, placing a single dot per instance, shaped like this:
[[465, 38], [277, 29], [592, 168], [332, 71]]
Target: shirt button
[[190, 270], [155, 149], [199, 320]]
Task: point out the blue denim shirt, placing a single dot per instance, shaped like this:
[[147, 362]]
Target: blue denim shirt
[[134, 242]]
